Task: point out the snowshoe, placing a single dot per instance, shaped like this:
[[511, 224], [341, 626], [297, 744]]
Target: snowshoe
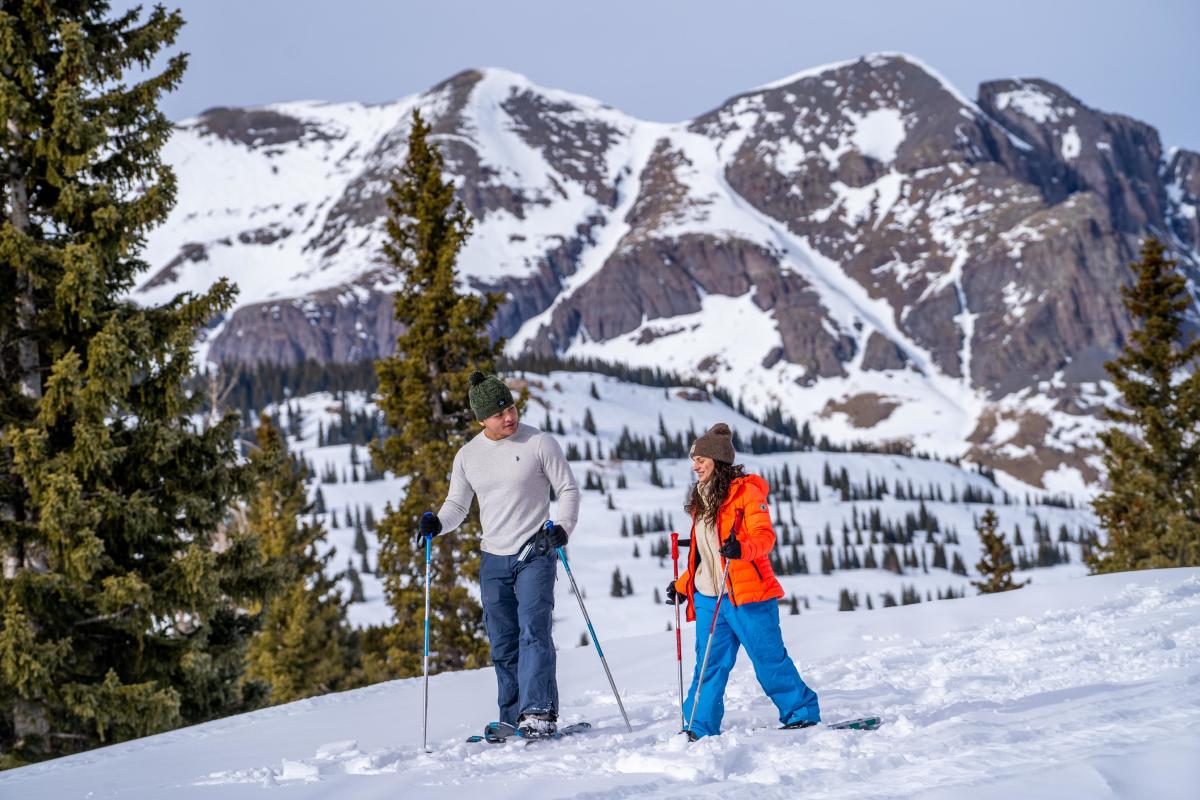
[[857, 724], [494, 733], [798, 725]]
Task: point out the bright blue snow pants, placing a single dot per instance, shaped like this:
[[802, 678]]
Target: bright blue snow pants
[[754, 626], [518, 609]]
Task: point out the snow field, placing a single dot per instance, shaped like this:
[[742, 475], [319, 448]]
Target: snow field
[[1082, 689]]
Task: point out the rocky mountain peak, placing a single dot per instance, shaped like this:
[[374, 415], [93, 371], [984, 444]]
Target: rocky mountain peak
[[1077, 148]]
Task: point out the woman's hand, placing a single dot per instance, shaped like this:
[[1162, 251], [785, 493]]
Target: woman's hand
[[732, 548]]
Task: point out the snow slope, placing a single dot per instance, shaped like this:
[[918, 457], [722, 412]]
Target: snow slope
[[1083, 689], [597, 547]]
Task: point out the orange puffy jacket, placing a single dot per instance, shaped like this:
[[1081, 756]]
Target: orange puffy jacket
[[745, 515]]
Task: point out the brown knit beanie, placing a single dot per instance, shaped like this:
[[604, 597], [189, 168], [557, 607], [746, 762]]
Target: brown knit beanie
[[717, 444]]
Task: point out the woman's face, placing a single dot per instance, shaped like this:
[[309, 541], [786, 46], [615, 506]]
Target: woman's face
[[703, 467]]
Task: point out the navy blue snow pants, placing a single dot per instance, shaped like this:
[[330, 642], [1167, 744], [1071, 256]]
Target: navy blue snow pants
[[518, 610], [754, 626]]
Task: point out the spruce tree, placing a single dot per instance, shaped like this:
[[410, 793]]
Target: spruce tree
[[995, 566], [423, 396], [306, 646], [1151, 508], [845, 602], [123, 592]]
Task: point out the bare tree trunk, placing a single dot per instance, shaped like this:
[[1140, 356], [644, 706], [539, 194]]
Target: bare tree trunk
[[218, 393]]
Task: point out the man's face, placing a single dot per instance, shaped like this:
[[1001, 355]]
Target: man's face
[[501, 425]]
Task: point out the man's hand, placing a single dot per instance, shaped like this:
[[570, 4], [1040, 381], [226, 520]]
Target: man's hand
[[428, 527], [557, 537], [732, 548], [547, 540]]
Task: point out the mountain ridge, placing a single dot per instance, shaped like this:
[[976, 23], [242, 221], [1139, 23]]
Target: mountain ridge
[[955, 258]]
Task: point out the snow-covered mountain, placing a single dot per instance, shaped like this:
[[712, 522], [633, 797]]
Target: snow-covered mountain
[[1085, 689], [858, 242]]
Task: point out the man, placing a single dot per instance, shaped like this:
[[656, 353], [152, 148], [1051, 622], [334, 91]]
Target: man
[[511, 468]]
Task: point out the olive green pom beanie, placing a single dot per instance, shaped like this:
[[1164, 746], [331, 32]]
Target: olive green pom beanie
[[488, 395]]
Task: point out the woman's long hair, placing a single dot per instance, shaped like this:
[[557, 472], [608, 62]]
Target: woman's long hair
[[722, 477]]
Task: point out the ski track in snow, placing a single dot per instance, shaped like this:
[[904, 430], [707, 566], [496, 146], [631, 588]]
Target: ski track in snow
[[1084, 689]]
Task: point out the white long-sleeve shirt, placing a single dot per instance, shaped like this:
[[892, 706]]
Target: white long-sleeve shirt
[[512, 478]]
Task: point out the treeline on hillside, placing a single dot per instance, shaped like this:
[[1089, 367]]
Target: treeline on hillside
[[790, 435], [872, 540], [251, 388]]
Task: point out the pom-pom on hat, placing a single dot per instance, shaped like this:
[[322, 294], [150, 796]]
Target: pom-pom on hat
[[716, 444], [488, 395]]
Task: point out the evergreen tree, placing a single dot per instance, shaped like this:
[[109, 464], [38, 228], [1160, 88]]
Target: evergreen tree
[[618, 586], [423, 396], [122, 596], [845, 601], [356, 587], [1151, 508], [996, 565], [306, 645]]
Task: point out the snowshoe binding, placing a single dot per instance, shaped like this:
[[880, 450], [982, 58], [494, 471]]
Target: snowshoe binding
[[537, 726]]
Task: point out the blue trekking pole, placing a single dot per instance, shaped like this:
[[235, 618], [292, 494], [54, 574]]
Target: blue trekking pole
[[592, 631], [425, 722]]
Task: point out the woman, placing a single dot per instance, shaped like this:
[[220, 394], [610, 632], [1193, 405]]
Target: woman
[[731, 525]]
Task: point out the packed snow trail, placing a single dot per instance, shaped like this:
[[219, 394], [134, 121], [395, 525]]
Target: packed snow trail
[[1084, 689]]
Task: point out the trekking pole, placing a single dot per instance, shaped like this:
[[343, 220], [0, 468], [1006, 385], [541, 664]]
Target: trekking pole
[[678, 633], [575, 588], [703, 664], [425, 714]]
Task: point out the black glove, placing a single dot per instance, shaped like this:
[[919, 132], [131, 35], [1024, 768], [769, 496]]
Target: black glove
[[732, 548], [428, 527], [674, 597], [547, 540]]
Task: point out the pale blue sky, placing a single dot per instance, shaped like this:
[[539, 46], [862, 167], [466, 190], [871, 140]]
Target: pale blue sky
[[669, 60]]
